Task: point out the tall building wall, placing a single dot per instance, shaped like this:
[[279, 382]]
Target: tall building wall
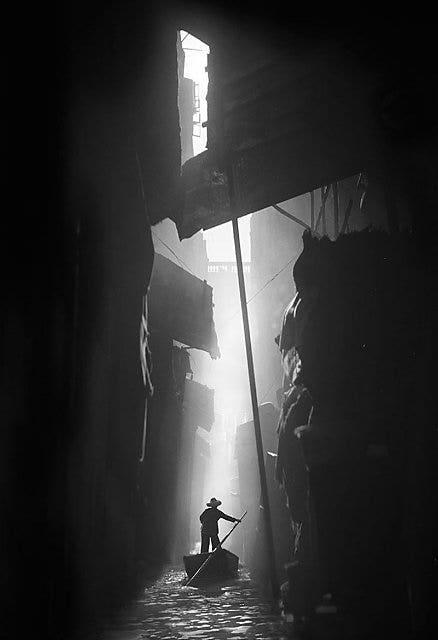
[[275, 242]]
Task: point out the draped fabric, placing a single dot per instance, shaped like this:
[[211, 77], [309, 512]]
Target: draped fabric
[[145, 353], [290, 468]]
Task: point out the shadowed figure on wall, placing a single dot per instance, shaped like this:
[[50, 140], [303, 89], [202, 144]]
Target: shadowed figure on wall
[[209, 525]]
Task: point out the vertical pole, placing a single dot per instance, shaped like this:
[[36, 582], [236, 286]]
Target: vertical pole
[[324, 226], [312, 210], [335, 209], [252, 385]]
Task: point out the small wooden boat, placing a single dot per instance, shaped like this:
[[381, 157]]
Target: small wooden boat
[[222, 565], [217, 566]]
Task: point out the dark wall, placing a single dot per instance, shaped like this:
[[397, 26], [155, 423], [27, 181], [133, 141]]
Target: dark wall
[[93, 87], [159, 474]]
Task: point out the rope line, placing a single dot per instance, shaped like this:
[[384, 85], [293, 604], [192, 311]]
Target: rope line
[[172, 251], [259, 291], [269, 281]]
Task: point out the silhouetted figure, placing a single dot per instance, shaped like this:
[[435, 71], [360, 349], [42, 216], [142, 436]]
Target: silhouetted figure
[[209, 527]]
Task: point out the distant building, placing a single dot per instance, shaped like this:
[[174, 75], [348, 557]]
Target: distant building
[[227, 267], [186, 105]]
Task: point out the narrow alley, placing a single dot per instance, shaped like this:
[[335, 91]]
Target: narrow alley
[[221, 277]]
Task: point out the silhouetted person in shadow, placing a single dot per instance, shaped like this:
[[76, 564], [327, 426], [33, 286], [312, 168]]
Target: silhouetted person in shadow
[[209, 527]]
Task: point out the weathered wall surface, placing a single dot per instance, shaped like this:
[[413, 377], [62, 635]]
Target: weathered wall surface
[[92, 94]]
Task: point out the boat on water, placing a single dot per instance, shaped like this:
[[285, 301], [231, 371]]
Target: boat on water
[[222, 565], [217, 566]]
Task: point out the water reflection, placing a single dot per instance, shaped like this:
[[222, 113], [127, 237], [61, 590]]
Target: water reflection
[[169, 610]]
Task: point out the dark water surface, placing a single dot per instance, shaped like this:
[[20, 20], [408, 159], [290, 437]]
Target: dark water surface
[[170, 611]]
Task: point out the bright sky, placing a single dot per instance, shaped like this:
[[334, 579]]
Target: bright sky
[[194, 68], [220, 244]]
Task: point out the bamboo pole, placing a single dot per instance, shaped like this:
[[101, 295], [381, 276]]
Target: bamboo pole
[[335, 209], [324, 197], [312, 210], [250, 362]]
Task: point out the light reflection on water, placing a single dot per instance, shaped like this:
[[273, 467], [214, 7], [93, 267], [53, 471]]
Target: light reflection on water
[[170, 611]]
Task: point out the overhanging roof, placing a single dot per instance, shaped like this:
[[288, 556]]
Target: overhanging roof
[[294, 108], [308, 99], [181, 306], [288, 124]]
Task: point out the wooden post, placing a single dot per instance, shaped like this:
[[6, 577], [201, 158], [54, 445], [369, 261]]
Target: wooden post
[[252, 385], [312, 210], [323, 199], [335, 209]]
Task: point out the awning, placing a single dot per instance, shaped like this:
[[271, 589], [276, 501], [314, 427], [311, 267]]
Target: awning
[[293, 116], [180, 305], [289, 125]]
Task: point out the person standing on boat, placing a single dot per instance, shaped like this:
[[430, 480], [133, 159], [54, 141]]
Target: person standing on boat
[[209, 527]]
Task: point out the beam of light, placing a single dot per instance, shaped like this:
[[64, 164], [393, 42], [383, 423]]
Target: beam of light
[[220, 243], [217, 476]]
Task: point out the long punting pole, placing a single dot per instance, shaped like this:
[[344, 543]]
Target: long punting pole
[[323, 200], [312, 210], [335, 210], [252, 385], [205, 563]]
